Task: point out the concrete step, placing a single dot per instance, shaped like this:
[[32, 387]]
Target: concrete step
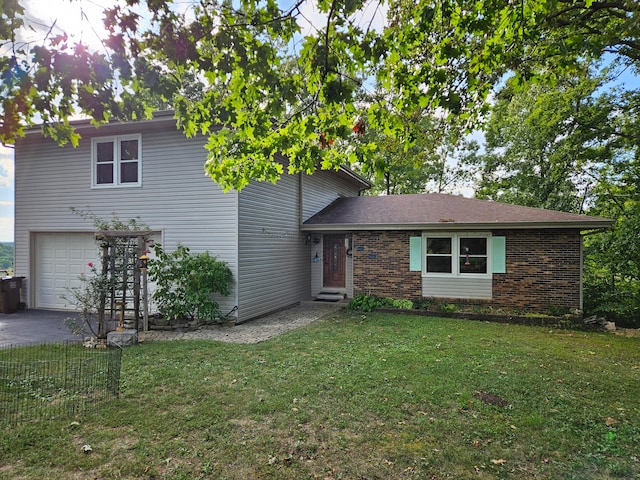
[[332, 290], [330, 296]]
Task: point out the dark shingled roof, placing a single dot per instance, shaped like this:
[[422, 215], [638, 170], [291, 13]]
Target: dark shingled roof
[[440, 211]]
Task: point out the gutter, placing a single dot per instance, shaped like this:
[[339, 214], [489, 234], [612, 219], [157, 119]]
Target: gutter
[[596, 225]]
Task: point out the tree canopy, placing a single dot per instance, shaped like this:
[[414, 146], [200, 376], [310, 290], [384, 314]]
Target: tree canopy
[[574, 146], [275, 79], [6, 256], [550, 146]]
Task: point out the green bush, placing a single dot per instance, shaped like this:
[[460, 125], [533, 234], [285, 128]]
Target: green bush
[[186, 283], [363, 303], [449, 307], [366, 303], [616, 301], [402, 303]]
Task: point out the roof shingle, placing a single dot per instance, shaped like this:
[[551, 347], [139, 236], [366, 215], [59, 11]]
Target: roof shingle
[[441, 211]]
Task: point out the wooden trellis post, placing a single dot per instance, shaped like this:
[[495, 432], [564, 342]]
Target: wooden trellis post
[[121, 251]]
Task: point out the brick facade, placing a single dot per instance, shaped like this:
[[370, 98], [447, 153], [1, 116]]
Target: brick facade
[[381, 264], [543, 269]]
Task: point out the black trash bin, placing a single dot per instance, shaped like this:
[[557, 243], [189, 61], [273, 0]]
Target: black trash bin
[[10, 294]]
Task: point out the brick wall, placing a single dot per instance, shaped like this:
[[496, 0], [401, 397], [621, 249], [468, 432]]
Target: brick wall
[[543, 269], [381, 265]]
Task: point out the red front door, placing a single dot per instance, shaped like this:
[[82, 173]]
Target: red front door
[[334, 261]]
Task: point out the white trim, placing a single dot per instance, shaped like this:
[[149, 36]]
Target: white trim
[[455, 253], [586, 225], [117, 161]]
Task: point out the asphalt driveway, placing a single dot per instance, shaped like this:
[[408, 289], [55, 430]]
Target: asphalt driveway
[[37, 326], [40, 326]]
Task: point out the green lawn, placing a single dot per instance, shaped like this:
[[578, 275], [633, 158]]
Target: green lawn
[[353, 397]]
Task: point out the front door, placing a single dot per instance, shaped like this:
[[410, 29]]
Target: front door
[[334, 261]]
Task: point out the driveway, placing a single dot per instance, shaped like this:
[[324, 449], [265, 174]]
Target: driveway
[[37, 326]]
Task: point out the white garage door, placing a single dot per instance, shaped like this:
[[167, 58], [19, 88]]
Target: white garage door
[[60, 259]]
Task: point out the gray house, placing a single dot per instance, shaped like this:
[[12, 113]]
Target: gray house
[[308, 236], [149, 170]]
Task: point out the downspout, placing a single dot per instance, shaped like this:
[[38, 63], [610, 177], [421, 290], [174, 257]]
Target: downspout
[[300, 197], [581, 271]]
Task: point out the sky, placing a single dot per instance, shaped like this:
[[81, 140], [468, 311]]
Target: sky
[[82, 20]]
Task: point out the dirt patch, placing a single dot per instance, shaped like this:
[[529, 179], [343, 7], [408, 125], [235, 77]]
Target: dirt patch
[[490, 398], [628, 332]]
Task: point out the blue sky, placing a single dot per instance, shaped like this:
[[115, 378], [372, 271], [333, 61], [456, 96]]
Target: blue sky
[[83, 20], [6, 195]]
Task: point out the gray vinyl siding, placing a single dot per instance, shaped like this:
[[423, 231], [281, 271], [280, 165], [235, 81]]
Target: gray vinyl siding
[[274, 267], [318, 191], [457, 287], [176, 197], [322, 188]]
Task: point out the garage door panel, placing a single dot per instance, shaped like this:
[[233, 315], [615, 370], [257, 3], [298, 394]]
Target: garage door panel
[[76, 254], [60, 259], [78, 269]]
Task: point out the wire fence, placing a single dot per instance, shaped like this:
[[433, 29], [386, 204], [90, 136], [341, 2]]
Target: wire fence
[[45, 381]]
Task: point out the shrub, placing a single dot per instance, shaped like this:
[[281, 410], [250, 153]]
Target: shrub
[[363, 303], [186, 283], [88, 299], [449, 307], [616, 301], [402, 303], [366, 303]]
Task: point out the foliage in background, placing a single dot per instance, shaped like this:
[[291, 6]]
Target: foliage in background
[[6, 256], [612, 267], [427, 165], [186, 283], [549, 146], [574, 147]]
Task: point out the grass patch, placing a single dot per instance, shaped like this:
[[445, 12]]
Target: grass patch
[[376, 397]]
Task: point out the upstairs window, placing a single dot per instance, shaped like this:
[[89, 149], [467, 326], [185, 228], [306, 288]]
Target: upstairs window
[[116, 161]]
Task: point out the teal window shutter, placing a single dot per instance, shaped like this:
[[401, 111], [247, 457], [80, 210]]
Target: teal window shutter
[[499, 255], [415, 254]]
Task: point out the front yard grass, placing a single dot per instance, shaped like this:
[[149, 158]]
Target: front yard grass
[[381, 396]]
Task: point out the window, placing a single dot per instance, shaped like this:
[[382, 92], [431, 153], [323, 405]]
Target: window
[[456, 254], [473, 255], [116, 161], [439, 255]]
